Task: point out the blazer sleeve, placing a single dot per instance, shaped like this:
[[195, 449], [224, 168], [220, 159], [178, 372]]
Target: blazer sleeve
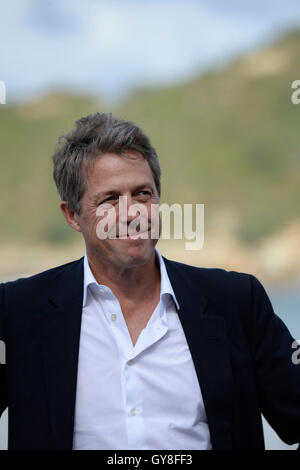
[[277, 366], [3, 367]]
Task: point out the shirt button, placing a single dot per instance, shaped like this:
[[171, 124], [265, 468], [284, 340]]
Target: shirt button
[[133, 411], [113, 316], [130, 362]]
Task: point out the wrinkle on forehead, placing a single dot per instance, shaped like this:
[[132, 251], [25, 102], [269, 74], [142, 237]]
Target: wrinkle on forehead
[[88, 165], [117, 175]]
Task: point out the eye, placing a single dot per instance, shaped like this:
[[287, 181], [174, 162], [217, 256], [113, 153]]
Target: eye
[[144, 193], [109, 198]]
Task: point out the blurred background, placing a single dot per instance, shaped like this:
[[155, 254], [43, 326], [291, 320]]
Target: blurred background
[[208, 80]]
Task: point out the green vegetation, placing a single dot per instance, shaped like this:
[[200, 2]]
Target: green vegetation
[[229, 140]]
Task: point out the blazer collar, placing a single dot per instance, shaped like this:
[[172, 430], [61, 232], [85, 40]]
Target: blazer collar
[[60, 325], [205, 330]]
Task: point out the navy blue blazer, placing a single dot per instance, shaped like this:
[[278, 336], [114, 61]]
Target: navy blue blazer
[[241, 351]]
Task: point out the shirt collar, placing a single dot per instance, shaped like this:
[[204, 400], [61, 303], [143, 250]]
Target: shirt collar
[[88, 279], [165, 284]]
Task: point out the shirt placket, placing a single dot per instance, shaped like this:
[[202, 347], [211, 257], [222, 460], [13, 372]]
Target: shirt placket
[[129, 363]]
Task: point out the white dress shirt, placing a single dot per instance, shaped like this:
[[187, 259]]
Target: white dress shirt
[[145, 396]]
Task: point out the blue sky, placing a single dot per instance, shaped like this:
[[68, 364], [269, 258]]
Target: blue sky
[[108, 47]]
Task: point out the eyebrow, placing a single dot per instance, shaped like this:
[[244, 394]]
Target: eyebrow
[[102, 194]]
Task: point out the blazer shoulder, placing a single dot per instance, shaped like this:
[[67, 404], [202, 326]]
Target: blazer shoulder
[[212, 275], [223, 287], [237, 294], [39, 278]]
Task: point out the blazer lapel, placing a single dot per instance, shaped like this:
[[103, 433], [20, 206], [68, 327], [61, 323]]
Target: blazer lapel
[[60, 326], [205, 331]]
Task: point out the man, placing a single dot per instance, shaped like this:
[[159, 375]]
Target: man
[[125, 349]]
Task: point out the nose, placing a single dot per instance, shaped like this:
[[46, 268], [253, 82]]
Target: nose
[[124, 204]]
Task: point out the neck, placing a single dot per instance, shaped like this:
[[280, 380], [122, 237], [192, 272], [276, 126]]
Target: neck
[[134, 284]]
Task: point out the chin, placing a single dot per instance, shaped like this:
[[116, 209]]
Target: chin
[[137, 254]]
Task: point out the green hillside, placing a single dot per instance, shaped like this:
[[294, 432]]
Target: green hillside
[[229, 140]]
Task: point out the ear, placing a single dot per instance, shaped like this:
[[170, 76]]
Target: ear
[[70, 216]]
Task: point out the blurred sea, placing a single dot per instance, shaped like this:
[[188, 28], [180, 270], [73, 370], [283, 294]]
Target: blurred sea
[[286, 304]]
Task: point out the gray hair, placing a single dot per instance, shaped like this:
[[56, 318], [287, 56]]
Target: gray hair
[[93, 136]]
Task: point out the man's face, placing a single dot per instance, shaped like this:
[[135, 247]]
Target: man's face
[[108, 177]]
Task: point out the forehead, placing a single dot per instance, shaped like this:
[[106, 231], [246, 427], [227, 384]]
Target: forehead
[[112, 171]]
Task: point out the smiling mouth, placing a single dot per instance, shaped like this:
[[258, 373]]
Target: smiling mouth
[[135, 236]]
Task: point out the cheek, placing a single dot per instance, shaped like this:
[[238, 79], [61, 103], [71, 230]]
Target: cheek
[[154, 216], [90, 221], [105, 224]]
